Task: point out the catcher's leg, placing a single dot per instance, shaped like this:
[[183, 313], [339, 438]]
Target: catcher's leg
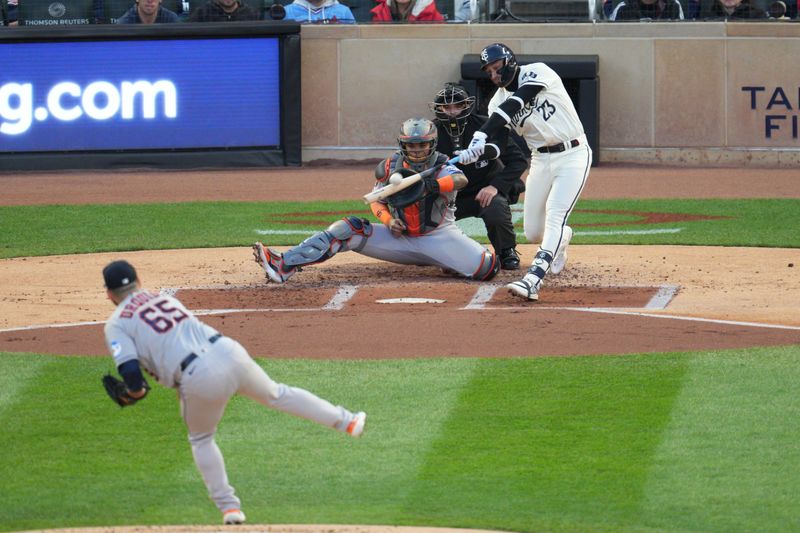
[[350, 233]]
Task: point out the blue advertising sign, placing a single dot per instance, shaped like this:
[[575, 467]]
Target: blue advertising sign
[[140, 94]]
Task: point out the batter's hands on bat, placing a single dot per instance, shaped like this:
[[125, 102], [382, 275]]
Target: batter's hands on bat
[[475, 149], [485, 195], [397, 227]]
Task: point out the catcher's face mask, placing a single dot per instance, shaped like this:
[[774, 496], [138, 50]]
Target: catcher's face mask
[[417, 140]]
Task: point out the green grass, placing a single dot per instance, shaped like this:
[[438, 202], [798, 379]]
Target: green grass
[[659, 442], [62, 229]]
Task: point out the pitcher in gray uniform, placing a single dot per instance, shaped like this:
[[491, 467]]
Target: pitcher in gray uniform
[[158, 334], [418, 224]]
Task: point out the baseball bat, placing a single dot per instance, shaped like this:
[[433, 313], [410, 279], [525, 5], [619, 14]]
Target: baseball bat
[[405, 183]]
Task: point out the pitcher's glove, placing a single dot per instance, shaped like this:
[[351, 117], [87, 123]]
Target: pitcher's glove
[[118, 391]]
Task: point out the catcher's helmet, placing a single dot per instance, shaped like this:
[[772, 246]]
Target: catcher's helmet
[[461, 106], [414, 131], [498, 51]]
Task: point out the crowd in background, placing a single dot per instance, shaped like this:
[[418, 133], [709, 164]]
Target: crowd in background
[[398, 11]]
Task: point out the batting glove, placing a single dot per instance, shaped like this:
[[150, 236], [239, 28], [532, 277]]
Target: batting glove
[[468, 156], [478, 142], [475, 149]]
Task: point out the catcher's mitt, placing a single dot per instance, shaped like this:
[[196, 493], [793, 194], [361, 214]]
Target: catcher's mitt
[[409, 195], [118, 392]]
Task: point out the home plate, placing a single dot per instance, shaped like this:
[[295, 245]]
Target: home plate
[[410, 301]]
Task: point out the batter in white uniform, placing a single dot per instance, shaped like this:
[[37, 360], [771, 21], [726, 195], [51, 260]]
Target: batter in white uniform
[[532, 101], [418, 223], [158, 334]]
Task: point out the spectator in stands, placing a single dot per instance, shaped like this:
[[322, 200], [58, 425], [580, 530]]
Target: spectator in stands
[[777, 10], [320, 12], [732, 9], [224, 11], [11, 14], [406, 11], [148, 12], [692, 9], [647, 10], [466, 10]]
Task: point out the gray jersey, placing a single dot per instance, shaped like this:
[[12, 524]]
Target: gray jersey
[[551, 117], [430, 212], [158, 331]]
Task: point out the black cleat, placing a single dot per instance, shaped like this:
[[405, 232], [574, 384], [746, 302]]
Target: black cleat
[[509, 259]]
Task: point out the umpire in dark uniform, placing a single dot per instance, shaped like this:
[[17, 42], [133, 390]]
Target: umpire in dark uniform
[[494, 183]]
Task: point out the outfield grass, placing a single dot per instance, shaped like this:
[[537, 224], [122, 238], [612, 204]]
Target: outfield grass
[[659, 442], [67, 229]]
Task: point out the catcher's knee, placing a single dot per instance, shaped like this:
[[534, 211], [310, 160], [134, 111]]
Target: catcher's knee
[[488, 268], [347, 227], [325, 244]]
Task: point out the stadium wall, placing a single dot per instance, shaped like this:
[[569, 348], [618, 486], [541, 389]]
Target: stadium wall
[[694, 93]]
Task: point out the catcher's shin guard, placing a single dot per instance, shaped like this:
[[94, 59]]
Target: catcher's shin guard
[[325, 244], [488, 268]]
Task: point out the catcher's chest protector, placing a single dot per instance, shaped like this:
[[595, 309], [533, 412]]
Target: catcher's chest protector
[[421, 213]]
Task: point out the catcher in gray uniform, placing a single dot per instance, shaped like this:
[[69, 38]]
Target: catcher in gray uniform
[[158, 334], [418, 224]]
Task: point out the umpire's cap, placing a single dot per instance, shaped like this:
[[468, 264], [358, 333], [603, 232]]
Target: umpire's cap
[[119, 274]]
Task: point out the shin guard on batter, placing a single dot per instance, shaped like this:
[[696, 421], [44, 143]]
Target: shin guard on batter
[[541, 263]]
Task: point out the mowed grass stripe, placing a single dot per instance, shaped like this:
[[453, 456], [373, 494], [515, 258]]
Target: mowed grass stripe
[[289, 470], [17, 371], [550, 444], [72, 457], [70, 451], [68, 229], [731, 453]]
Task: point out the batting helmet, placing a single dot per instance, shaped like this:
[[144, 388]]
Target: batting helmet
[[452, 106], [498, 51], [416, 131]]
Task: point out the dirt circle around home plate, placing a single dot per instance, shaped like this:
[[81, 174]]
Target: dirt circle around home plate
[[609, 300]]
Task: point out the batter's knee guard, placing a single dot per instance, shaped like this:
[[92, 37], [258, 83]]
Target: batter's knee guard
[[488, 268], [325, 244]]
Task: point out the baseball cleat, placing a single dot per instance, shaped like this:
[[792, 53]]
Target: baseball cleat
[[233, 516], [509, 259], [560, 260], [527, 287], [356, 426], [272, 263]]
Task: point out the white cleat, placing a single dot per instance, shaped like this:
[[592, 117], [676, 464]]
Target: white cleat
[[233, 516], [527, 287], [272, 263], [560, 260], [356, 426]]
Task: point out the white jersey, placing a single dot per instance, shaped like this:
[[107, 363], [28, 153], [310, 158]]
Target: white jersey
[[551, 117], [158, 331]]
